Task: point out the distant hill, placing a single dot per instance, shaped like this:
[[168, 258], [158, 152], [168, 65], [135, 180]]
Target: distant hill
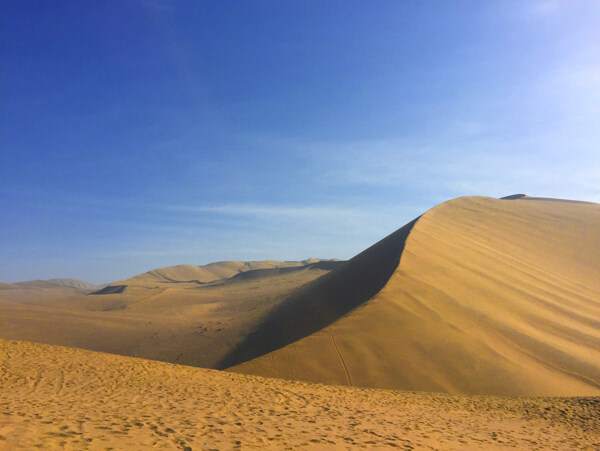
[[45, 290], [50, 283], [210, 273]]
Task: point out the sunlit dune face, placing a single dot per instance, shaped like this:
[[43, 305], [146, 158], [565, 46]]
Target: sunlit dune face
[[489, 297]]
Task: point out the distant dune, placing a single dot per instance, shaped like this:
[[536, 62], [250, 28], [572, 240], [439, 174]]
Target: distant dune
[[61, 398], [184, 314], [477, 296], [50, 283], [45, 290], [213, 272]]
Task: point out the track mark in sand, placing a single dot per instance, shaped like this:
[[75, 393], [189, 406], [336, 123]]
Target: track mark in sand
[[3, 368], [36, 382], [61, 382], [337, 350], [273, 364]]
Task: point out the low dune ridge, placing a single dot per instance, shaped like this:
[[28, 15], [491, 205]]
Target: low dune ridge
[[488, 296], [45, 290], [50, 283], [53, 397], [212, 272]]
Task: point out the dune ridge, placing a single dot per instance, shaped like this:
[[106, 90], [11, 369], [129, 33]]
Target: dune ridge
[[323, 301], [45, 290], [490, 297], [212, 272], [50, 283]]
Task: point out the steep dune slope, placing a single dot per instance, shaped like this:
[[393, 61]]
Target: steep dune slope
[[490, 296], [53, 397], [319, 303]]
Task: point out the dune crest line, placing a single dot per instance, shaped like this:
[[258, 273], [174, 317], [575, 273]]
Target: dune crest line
[[318, 304], [491, 296]]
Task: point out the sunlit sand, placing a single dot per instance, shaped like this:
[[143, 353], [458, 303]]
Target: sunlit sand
[[476, 325], [56, 397]]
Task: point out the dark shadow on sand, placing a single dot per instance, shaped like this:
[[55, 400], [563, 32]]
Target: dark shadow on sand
[[324, 300]]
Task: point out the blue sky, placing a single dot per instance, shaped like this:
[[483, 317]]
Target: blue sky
[[140, 134]]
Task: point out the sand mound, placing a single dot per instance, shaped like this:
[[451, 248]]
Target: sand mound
[[61, 398], [489, 297]]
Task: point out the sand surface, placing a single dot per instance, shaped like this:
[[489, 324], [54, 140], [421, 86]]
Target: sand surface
[[54, 397], [161, 315], [488, 296]]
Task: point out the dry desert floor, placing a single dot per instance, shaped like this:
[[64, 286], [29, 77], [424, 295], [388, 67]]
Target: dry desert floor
[[54, 397]]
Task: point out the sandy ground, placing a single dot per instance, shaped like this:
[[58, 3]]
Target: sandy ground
[[496, 297], [61, 398]]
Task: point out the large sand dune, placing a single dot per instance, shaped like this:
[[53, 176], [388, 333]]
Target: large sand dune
[[480, 296], [61, 398]]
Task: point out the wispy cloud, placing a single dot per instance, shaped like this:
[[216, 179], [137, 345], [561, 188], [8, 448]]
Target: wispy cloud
[[548, 162], [545, 8], [267, 211]]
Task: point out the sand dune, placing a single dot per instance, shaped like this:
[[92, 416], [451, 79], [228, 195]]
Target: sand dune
[[212, 272], [319, 303], [60, 398], [175, 320], [489, 297]]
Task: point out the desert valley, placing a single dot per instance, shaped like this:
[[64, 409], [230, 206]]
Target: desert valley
[[474, 326]]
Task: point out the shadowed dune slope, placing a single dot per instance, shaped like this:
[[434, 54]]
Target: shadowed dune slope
[[490, 297], [53, 397], [324, 300], [325, 265]]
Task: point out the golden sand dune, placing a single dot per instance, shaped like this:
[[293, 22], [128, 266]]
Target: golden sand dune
[[205, 274], [60, 398], [178, 321], [484, 296]]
